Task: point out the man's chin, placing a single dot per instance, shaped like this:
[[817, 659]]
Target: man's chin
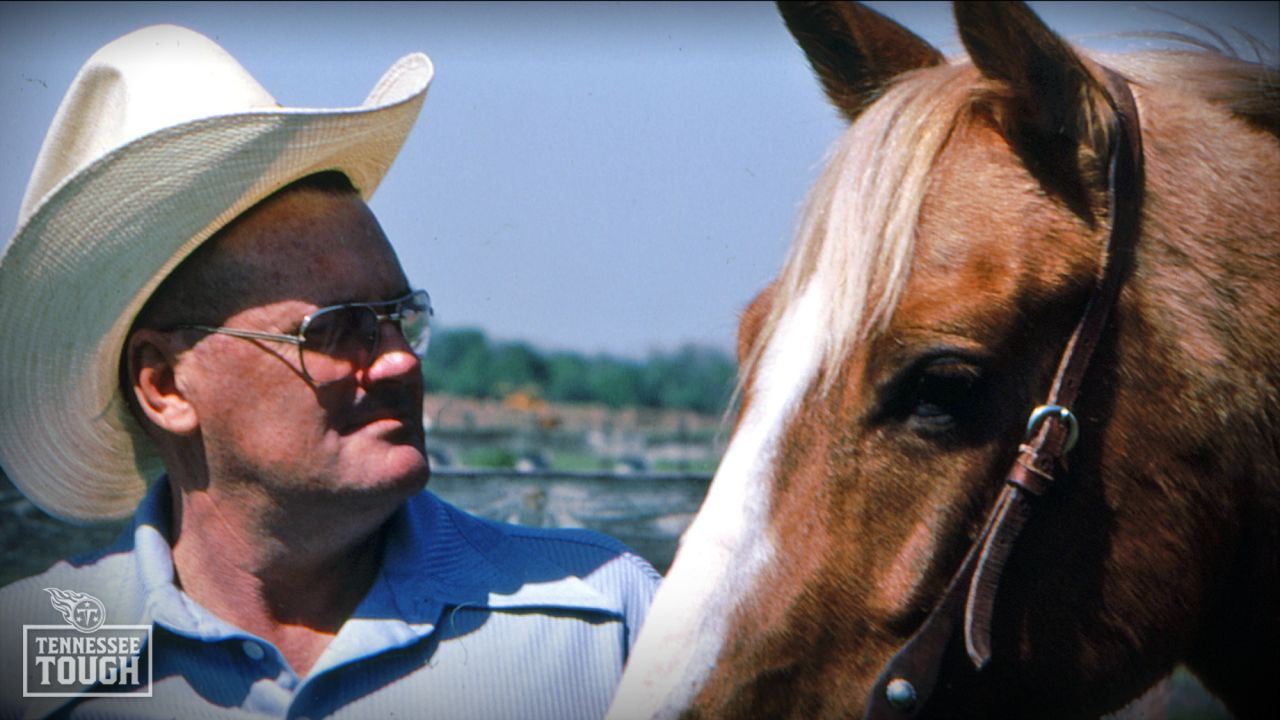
[[410, 472], [400, 470]]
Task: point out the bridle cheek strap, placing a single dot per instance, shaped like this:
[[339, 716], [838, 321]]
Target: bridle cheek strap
[[907, 682]]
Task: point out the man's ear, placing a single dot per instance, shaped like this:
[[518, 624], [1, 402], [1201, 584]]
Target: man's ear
[[152, 367]]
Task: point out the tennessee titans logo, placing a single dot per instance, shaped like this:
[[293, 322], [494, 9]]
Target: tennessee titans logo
[[82, 611]]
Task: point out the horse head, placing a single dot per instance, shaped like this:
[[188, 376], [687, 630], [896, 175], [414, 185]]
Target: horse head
[[968, 219]]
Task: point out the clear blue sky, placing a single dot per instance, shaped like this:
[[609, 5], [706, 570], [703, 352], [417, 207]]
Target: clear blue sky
[[616, 177]]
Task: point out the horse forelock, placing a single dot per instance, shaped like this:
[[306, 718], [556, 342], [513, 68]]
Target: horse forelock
[[857, 230]]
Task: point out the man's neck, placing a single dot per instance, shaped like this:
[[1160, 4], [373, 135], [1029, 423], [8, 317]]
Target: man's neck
[[290, 574]]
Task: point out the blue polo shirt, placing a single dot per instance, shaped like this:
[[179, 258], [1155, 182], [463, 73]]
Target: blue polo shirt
[[467, 618]]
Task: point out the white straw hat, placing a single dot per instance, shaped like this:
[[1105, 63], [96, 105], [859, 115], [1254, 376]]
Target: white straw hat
[[162, 139]]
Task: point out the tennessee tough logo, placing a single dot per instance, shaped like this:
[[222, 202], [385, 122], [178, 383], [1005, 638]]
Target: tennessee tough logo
[[85, 657], [82, 611]]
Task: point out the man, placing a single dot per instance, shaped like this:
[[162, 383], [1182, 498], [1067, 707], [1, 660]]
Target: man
[[198, 296]]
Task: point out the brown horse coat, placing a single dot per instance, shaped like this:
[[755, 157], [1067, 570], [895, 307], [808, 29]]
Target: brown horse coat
[[943, 259]]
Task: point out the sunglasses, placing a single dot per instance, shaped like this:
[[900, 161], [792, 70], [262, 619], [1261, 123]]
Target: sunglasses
[[336, 342]]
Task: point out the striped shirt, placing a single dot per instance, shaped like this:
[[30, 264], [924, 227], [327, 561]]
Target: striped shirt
[[467, 618]]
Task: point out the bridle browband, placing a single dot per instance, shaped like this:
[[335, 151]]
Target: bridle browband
[[906, 683]]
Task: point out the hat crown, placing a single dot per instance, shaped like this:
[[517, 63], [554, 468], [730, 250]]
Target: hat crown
[[150, 79]]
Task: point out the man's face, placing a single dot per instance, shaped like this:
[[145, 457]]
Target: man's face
[[260, 422]]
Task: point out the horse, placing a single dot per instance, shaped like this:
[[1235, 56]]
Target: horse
[[1008, 430]]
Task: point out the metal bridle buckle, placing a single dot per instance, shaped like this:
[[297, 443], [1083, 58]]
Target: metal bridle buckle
[[1040, 414]]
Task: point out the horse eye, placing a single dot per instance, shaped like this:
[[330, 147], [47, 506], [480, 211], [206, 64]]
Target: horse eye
[[942, 397]]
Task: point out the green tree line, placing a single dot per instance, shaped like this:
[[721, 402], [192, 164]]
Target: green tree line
[[463, 361]]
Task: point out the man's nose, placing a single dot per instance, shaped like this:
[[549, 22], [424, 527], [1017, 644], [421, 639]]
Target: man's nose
[[394, 358]]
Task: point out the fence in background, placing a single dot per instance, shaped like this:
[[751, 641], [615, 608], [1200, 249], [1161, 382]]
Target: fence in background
[[647, 511]]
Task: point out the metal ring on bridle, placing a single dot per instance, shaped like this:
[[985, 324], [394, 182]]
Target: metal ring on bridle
[[1044, 411]]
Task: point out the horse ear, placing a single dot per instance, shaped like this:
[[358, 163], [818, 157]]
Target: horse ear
[[854, 50], [1056, 108]]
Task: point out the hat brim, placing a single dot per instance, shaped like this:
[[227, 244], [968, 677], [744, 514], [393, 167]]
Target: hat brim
[[78, 271]]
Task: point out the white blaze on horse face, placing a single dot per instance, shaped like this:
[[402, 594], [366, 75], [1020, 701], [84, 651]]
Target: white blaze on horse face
[[728, 543]]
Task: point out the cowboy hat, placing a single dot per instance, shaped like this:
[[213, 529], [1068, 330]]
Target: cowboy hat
[[162, 139]]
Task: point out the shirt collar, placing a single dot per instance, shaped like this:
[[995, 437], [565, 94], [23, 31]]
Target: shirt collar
[[436, 557]]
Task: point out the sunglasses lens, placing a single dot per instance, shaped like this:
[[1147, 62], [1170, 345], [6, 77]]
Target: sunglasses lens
[[339, 342], [415, 322]]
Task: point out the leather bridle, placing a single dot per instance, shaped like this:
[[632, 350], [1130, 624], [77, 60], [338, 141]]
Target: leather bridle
[[906, 683]]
